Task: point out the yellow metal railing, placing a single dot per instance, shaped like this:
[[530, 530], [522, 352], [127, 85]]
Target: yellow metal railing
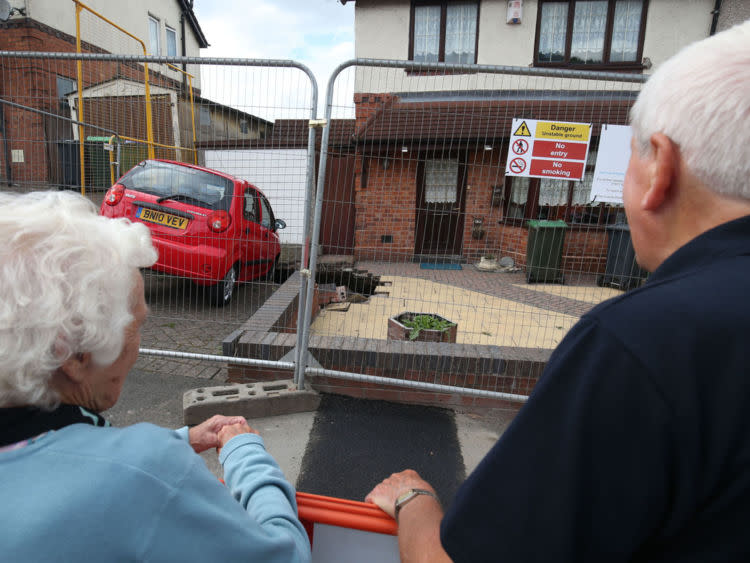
[[192, 108], [149, 126], [149, 142]]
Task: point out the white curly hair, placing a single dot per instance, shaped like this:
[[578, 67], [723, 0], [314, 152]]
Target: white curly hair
[[66, 275]]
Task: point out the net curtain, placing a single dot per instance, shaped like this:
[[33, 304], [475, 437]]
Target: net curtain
[[589, 25], [460, 33]]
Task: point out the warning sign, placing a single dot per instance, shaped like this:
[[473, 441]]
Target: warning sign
[[522, 131], [521, 146], [517, 165], [548, 149], [563, 131]]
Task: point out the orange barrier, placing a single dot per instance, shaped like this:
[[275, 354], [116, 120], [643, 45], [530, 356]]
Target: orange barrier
[[343, 530], [344, 514], [347, 530]]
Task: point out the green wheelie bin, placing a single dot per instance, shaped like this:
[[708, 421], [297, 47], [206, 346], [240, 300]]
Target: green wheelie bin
[[544, 251]]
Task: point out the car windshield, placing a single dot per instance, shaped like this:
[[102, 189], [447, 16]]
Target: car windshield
[[180, 183]]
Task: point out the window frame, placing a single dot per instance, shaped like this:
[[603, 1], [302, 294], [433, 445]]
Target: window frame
[[251, 194], [167, 31], [443, 15], [204, 116], [265, 205], [636, 65], [154, 20]]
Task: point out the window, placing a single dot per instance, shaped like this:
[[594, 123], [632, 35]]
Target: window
[[590, 33], [204, 115], [199, 188], [444, 31], [171, 42], [267, 219], [549, 198], [65, 86], [251, 205], [153, 35], [441, 181]]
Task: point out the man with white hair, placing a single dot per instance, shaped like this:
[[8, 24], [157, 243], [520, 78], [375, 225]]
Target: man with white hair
[[635, 443]]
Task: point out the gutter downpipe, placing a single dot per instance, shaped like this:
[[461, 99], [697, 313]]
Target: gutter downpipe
[[6, 149], [715, 21]]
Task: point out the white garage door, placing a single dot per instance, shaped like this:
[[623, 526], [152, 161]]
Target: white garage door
[[279, 173]]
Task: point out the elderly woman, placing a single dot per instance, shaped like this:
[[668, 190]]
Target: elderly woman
[[74, 488]]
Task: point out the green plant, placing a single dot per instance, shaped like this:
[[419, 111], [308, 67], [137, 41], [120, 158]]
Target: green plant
[[418, 323]]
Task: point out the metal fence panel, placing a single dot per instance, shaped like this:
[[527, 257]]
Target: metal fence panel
[[430, 222], [246, 118], [415, 211]]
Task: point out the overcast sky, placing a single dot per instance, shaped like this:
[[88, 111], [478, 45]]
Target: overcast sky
[[317, 33]]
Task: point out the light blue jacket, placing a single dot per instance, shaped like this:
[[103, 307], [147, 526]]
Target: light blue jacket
[[140, 493]]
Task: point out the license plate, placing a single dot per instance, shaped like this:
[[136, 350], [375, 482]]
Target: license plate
[[162, 218]]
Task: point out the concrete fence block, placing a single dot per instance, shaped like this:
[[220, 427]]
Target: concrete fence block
[[251, 400]]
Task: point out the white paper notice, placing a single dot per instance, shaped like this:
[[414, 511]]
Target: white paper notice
[[611, 163]]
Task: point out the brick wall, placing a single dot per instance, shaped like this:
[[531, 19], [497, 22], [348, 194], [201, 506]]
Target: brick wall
[[379, 391], [367, 105], [493, 368], [386, 207], [484, 170]]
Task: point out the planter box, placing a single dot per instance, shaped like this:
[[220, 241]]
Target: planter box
[[398, 331]]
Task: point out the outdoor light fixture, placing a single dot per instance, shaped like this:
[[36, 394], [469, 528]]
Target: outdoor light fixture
[[404, 149], [488, 147], [477, 228]]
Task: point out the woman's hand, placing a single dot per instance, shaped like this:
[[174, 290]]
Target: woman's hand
[[205, 435], [230, 431]]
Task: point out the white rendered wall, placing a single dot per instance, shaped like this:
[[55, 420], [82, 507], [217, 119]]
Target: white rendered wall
[[382, 32]]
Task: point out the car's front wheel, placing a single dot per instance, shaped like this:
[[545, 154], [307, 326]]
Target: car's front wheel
[[223, 291]]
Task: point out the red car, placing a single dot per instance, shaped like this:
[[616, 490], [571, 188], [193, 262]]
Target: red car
[[208, 226]]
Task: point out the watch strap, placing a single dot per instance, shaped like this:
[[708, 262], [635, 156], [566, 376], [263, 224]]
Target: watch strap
[[409, 496]]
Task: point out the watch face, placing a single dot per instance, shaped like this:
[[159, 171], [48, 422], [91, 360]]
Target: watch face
[[405, 496]]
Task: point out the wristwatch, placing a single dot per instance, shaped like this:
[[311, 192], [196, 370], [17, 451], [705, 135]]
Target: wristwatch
[[410, 495]]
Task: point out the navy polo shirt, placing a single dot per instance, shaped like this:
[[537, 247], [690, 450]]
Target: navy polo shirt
[[635, 443]]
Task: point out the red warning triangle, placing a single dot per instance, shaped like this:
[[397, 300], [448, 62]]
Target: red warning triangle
[[522, 131]]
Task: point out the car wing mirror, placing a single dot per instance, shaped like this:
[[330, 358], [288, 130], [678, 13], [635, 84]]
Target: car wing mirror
[[279, 224]]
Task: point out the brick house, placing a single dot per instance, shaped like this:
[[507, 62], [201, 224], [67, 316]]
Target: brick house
[[431, 149], [38, 149]]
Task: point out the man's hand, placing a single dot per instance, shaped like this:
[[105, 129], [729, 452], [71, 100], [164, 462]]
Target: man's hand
[[419, 520], [205, 435], [386, 493]]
